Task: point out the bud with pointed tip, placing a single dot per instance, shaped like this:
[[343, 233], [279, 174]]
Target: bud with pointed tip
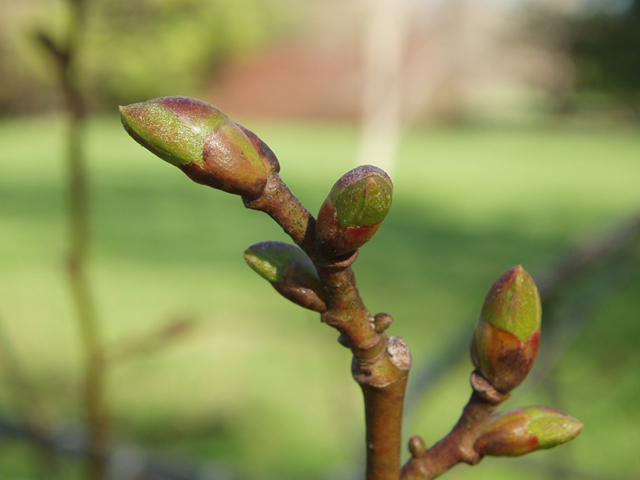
[[201, 141], [353, 211], [290, 271], [507, 336], [526, 430]]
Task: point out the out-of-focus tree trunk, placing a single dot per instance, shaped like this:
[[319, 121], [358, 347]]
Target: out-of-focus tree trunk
[[383, 78]]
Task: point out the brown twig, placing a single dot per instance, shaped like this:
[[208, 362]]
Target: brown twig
[[614, 248], [149, 342], [380, 364], [562, 276], [279, 203], [506, 339], [458, 446], [620, 240], [94, 377]]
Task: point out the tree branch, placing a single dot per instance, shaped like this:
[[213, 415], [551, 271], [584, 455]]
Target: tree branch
[[380, 364], [78, 190], [458, 446]]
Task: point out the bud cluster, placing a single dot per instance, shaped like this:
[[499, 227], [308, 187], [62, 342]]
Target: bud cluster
[[212, 150]]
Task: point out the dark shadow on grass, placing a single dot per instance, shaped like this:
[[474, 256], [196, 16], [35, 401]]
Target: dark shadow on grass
[[429, 272]]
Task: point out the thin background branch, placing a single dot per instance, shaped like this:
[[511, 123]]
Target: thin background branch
[[65, 57]]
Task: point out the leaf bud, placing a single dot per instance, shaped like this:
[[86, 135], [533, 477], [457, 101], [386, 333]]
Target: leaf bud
[[201, 141], [507, 335], [353, 211], [526, 430], [382, 321], [417, 447], [290, 271]]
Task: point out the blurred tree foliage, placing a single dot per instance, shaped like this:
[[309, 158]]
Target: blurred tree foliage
[[601, 41], [605, 47], [134, 49]]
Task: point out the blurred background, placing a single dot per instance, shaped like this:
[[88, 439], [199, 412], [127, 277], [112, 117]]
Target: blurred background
[[510, 129]]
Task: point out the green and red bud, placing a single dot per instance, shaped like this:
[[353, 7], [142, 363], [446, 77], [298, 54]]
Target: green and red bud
[[201, 141], [290, 271], [507, 335], [526, 430], [353, 211]]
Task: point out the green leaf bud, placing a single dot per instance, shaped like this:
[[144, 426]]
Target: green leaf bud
[[506, 434], [513, 304], [201, 141], [526, 430], [552, 427], [353, 210], [290, 271], [507, 335], [173, 128]]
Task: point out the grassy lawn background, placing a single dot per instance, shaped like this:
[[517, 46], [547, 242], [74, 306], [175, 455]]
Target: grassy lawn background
[[259, 385]]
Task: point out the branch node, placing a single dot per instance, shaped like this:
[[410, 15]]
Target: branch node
[[337, 263], [399, 353], [382, 321], [485, 390], [331, 320], [417, 447], [263, 200], [470, 456], [342, 340]]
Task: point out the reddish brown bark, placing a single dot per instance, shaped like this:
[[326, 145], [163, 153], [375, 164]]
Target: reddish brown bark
[[380, 364], [458, 446]]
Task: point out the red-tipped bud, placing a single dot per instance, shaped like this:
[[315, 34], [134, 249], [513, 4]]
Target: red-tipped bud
[[201, 141], [526, 430], [353, 211], [290, 271], [508, 332]]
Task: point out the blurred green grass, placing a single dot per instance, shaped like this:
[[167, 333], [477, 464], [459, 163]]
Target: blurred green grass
[[261, 386]]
